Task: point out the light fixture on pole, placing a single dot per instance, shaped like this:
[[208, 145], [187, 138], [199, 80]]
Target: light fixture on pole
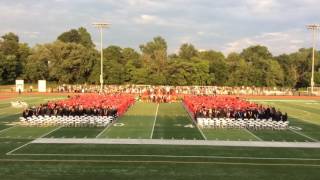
[[314, 28], [101, 26]]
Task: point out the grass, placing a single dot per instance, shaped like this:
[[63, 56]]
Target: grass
[[203, 151], [271, 135], [75, 132], [137, 123], [174, 123], [186, 162], [297, 109], [213, 163], [228, 134], [25, 132], [305, 118], [146, 170]]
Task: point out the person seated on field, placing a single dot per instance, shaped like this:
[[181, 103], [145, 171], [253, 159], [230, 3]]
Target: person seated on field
[[285, 117], [25, 113]]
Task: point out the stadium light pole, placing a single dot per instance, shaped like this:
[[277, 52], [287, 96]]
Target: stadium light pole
[[101, 26], [314, 28]]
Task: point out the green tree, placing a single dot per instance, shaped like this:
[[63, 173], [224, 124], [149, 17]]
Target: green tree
[[240, 75], [256, 53], [154, 56], [303, 62], [37, 64], [13, 57], [85, 38], [187, 51], [182, 72], [131, 56], [10, 44], [8, 66], [71, 63], [218, 66], [274, 75], [71, 36], [78, 36], [289, 70]]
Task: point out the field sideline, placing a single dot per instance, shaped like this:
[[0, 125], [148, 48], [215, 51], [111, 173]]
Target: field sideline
[[165, 122]]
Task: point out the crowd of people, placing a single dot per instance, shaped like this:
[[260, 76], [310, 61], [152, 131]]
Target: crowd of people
[[79, 105], [178, 90], [230, 107]]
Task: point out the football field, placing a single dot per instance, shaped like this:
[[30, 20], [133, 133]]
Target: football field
[[21, 157]]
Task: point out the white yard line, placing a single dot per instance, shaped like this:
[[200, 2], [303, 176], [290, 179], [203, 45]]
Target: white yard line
[[165, 156], [4, 130], [201, 132], [301, 134], [104, 130], [154, 122], [44, 135], [172, 162], [8, 153], [258, 138], [179, 142], [194, 122]]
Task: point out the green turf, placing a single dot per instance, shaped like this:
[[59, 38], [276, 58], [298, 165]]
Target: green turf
[[173, 122], [75, 132], [137, 123], [206, 151], [228, 134], [296, 109], [2, 127], [170, 123], [156, 171], [25, 132], [308, 129], [300, 116], [9, 114], [82, 167], [275, 135]]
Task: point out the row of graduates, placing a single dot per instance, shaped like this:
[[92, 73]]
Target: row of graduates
[[57, 110], [159, 95], [246, 113]]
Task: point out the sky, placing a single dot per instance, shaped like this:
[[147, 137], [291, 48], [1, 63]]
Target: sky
[[222, 25]]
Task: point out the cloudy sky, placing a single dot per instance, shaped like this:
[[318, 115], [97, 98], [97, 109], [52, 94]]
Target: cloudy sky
[[224, 25]]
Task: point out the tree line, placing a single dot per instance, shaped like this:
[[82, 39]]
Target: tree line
[[73, 58]]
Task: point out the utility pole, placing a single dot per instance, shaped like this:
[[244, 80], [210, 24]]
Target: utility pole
[[314, 28], [101, 26]]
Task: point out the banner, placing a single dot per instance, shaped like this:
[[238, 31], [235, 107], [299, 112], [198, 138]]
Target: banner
[[42, 86], [19, 85]]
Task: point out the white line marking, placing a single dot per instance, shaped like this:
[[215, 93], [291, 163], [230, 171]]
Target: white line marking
[[195, 123], [301, 134], [164, 156], [205, 138], [154, 122], [104, 130], [304, 120], [179, 142], [258, 138], [4, 130], [8, 153], [174, 162], [44, 135]]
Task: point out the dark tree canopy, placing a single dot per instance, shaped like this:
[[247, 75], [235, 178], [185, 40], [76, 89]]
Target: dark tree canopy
[[78, 36], [74, 59]]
